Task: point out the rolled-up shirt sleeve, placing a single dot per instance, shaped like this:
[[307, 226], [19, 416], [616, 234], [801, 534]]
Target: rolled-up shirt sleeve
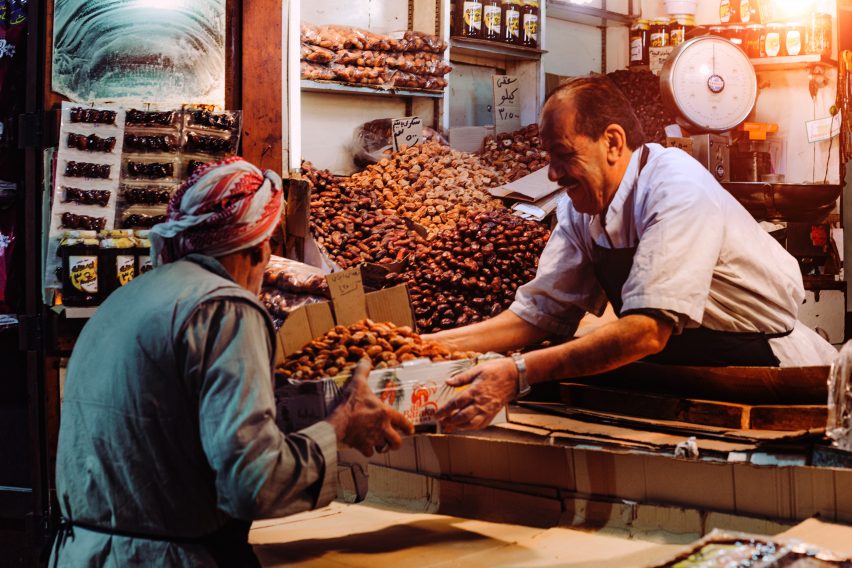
[[259, 472], [564, 287]]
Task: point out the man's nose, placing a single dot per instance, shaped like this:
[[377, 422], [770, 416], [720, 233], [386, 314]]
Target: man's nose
[[552, 174]]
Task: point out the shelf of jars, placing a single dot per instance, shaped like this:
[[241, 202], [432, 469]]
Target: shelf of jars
[[478, 47], [791, 62]]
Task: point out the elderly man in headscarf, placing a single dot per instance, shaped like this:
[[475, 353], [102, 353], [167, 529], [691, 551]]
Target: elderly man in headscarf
[[168, 446]]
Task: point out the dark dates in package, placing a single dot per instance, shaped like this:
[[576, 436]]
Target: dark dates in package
[[83, 222], [150, 143], [152, 119], [209, 143], [154, 168], [87, 170], [99, 197], [91, 142], [143, 218], [222, 121], [92, 116], [147, 194]]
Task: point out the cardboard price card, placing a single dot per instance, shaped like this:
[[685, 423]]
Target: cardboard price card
[[507, 103], [406, 132]]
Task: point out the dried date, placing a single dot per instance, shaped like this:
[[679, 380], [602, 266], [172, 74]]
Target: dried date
[[151, 170], [212, 144], [205, 118], [139, 220], [149, 118], [150, 143], [92, 115], [152, 195]]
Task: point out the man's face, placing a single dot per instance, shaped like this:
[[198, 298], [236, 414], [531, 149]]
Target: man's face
[[577, 162]]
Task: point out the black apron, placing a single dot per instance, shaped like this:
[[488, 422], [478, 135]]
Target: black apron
[[228, 545], [699, 347]]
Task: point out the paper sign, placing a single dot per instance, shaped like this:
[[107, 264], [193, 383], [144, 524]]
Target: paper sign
[[507, 103], [657, 57], [347, 295], [823, 128], [529, 188], [406, 132]]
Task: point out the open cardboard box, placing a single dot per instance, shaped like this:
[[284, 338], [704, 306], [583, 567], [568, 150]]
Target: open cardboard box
[[417, 389]]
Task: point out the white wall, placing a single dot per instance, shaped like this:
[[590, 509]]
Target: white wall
[[572, 49]]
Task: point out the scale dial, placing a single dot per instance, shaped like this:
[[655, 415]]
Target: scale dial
[[710, 83]]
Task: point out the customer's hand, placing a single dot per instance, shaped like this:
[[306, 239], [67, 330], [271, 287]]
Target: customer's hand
[[494, 385], [364, 422]]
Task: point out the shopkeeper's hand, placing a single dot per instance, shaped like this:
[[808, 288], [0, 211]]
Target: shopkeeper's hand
[[492, 385], [363, 421]]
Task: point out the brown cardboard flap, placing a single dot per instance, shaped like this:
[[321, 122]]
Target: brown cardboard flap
[[347, 295], [320, 319], [391, 305], [296, 331]]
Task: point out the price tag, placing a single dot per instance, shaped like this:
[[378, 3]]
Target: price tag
[[823, 128], [657, 57], [347, 296], [406, 132], [507, 103]]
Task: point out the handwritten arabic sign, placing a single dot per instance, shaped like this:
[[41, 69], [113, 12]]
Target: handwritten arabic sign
[[507, 103], [406, 132]]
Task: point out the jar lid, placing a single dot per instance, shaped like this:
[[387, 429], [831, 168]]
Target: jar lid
[[683, 19], [716, 29], [662, 21], [736, 27], [755, 27]]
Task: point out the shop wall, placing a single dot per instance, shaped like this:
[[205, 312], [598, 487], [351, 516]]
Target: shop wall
[[572, 49]]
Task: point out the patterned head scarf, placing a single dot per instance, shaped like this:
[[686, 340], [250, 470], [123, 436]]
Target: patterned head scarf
[[223, 207]]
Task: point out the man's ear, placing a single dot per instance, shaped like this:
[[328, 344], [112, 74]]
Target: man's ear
[[616, 142]]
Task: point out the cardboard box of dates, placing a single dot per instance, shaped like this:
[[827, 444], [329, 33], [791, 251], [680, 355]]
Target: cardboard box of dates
[[319, 345]]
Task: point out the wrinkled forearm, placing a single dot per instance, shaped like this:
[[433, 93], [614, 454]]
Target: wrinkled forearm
[[502, 333], [624, 341]]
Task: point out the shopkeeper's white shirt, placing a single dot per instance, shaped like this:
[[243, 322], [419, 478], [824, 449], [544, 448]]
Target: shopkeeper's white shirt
[[700, 255]]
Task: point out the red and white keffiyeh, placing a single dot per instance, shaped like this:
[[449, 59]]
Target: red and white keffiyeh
[[221, 208]]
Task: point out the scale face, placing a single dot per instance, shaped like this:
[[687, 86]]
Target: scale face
[[710, 83]]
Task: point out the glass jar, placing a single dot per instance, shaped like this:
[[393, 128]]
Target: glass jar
[[117, 260], [819, 34], [729, 11], [80, 283], [794, 39], [143, 252], [679, 26], [755, 38], [659, 36], [639, 41], [511, 21], [529, 24], [491, 16], [750, 11], [773, 42], [736, 34], [471, 18]]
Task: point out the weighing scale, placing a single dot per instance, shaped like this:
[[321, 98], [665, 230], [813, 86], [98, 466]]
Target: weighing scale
[[709, 84]]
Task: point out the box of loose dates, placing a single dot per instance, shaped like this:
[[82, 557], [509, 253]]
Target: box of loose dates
[[320, 344]]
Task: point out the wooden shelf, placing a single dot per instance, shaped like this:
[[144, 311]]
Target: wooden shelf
[[344, 89], [481, 47], [791, 62]]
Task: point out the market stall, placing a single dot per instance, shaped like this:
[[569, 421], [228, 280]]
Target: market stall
[[418, 202]]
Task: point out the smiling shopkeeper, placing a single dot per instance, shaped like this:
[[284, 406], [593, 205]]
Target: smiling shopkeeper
[[692, 277]]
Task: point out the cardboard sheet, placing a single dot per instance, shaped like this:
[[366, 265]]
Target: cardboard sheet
[[530, 188]]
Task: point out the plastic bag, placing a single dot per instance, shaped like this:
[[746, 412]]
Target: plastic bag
[[378, 76], [372, 142], [839, 426], [362, 57], [317, 54], [292, 276], [279, 303], [420, 41], [315, 72]]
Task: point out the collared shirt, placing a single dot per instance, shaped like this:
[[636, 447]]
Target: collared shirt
[[699, 255], [168, 422]]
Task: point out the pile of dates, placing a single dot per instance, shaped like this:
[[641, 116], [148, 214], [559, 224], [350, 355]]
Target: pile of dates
[[430, 184], [471, 273], [339, 350], [353, 226], [516, 154], [642, 89]]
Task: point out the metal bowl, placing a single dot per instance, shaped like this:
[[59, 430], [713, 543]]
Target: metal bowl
[[804, 203]]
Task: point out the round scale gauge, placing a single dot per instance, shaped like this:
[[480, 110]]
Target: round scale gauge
[[709, 83]]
